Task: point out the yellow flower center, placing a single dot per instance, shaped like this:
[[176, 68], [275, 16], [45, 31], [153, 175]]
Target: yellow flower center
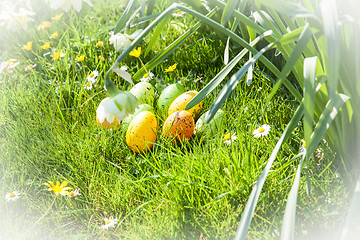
[[107, 222], [261, 130], [71, 194], [10, 62], [304, 144], [227, 136], [146, 75], [92, 74], [179, 12], [12, 194]]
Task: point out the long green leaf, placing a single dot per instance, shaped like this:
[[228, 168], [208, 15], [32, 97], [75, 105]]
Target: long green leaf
[[330, 20], [228, 11], [255, 193], [156, 34], [331, 110], [222, 74], [288, 225], [309, 96], [231, 84], [125, 16]]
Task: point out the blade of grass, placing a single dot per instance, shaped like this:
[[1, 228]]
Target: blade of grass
[[228, 11], [288, 226], [125, 16]]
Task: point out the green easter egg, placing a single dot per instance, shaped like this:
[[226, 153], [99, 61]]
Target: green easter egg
[[212, 127], [144, 92], [168, 95]]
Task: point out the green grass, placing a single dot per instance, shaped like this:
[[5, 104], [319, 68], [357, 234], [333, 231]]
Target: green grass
[[192, 190]]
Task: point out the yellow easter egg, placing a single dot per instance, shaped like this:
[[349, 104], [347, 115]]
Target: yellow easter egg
[[181, 101], [141, 133], [180, 125]]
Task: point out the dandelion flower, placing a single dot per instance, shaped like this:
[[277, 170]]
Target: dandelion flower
[[228, 138], [54, 35], [263, 130], [73, 194], [92, 76], [80, 58], [44, 25], [66, 4], [147, 77], [171, 68], [13, 196], [135, 52], [178, 14], [109, 222], [45, 46], [58, 188], [27, 46], [99, 44], [57, 55], [57, 17]]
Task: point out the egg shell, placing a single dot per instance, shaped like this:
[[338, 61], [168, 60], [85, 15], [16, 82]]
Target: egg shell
[[144, 92], [141, 108], [180, 125], [181, 101], [168, 95], [141, 133], [212, 127]]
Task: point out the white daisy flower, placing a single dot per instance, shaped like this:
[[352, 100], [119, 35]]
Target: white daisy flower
[[303, 146], [92, 76], [228, 138], [12, 63], [109, 222], [198, 79], [13, 196], [178, 14], [29, 67], [73, 194], [147, 77], [124, 68], [263, 130], [88, 86]]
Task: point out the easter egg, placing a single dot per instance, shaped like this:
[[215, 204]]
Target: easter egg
[[168, 95], [212, 127], [141, 108], [144, 92], [181, 101], [141, 133], [180, 125]]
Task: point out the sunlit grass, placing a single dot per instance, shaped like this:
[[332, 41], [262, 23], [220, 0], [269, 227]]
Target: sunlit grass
[[186, 191]]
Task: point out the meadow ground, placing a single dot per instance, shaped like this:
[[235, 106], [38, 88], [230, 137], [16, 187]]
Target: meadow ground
[[192, 190]]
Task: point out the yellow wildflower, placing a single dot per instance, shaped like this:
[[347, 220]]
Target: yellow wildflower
[[54, 35], [58, 188], [27, 46], [99, 44], [80, 58], [57, 17], [135, 52], [101, 58], [171, 68], [44, 25], [57, 55], [45, 46]]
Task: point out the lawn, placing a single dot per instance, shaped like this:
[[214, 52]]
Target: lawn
[[194, 189]]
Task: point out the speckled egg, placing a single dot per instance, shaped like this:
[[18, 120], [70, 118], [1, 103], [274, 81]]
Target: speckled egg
[[168, 95], [180, 125], [144, 92], [181, 101], [141, 133]]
